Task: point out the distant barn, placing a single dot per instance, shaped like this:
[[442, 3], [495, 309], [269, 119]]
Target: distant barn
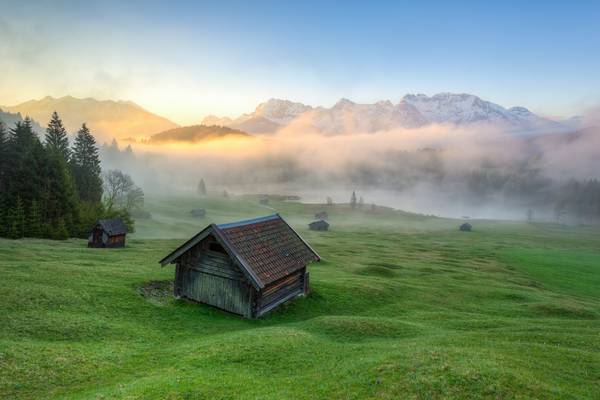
[[319, 225], [246, 267], [321, 215], [466, 227], [108, 233], [198, 212]]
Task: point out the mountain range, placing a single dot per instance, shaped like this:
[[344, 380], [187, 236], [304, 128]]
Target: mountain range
[[10, 119], [126, 120], [106, 119], [412, 111]]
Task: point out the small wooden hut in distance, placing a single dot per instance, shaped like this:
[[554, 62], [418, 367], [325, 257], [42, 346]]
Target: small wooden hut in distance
[[247, 267], [466, 227], [198, 212], [321, 215], [108, 233], [319, 225]]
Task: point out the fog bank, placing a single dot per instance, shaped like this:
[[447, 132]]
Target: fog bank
[[479, 170]]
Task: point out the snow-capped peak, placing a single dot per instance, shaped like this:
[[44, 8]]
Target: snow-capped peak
[[280, 111], [520, 111], [457, 108], [413, 110], [384, 103], [343, 103]]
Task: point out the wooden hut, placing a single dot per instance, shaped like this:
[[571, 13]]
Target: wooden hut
[[466, 227], [321, 215], [246, 267], [319, 225], [198, 212], [108, 233]]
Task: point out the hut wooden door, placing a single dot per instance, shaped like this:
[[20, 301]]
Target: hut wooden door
[[97, 235], [214, 281]]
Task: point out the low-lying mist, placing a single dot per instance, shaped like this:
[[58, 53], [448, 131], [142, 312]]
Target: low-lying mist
[[477, 171]]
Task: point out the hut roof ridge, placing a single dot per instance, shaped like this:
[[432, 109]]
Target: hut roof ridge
[[248, 221], [114, 226], [268, 248]]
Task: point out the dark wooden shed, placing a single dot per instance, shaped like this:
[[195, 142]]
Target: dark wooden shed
[[247, 267], [466, 227], [108, 233], [198, 212], [321, 215], [319, 225]]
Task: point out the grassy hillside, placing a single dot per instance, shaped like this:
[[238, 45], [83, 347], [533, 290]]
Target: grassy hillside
[[194, 134], [403, 306]]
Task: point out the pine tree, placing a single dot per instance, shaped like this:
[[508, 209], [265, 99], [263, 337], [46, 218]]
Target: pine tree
[[3, 216], [361, 202], [12, 230], [329, 201], [33, 227], [37, 186], [3, 135], [56, 136], [353, 200], [22, 134], [24, 172], [16, 220], [128, 152], [20, 217], [60, 232], [85, 164], [114, 146], [202, 187], [60, 194], [3, 156], [3, 177]]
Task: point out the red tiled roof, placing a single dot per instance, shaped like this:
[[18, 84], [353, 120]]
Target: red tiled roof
[[114, 226], [268, 246]]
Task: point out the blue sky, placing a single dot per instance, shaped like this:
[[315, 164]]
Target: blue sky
[[185, 60]]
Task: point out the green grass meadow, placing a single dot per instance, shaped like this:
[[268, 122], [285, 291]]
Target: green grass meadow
[[402, 306]]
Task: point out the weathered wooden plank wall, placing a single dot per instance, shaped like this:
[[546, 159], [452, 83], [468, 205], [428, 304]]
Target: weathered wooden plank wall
[[279, 292], [211, 277], [224, 293]]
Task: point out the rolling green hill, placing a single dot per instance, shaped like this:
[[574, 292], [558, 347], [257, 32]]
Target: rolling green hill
[[194, 133], [403, 306]]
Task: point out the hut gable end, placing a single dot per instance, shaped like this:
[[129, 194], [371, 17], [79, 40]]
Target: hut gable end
[[210, 257]]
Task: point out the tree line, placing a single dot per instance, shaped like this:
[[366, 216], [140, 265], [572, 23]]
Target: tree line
[[578, 202], [50, 189]]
